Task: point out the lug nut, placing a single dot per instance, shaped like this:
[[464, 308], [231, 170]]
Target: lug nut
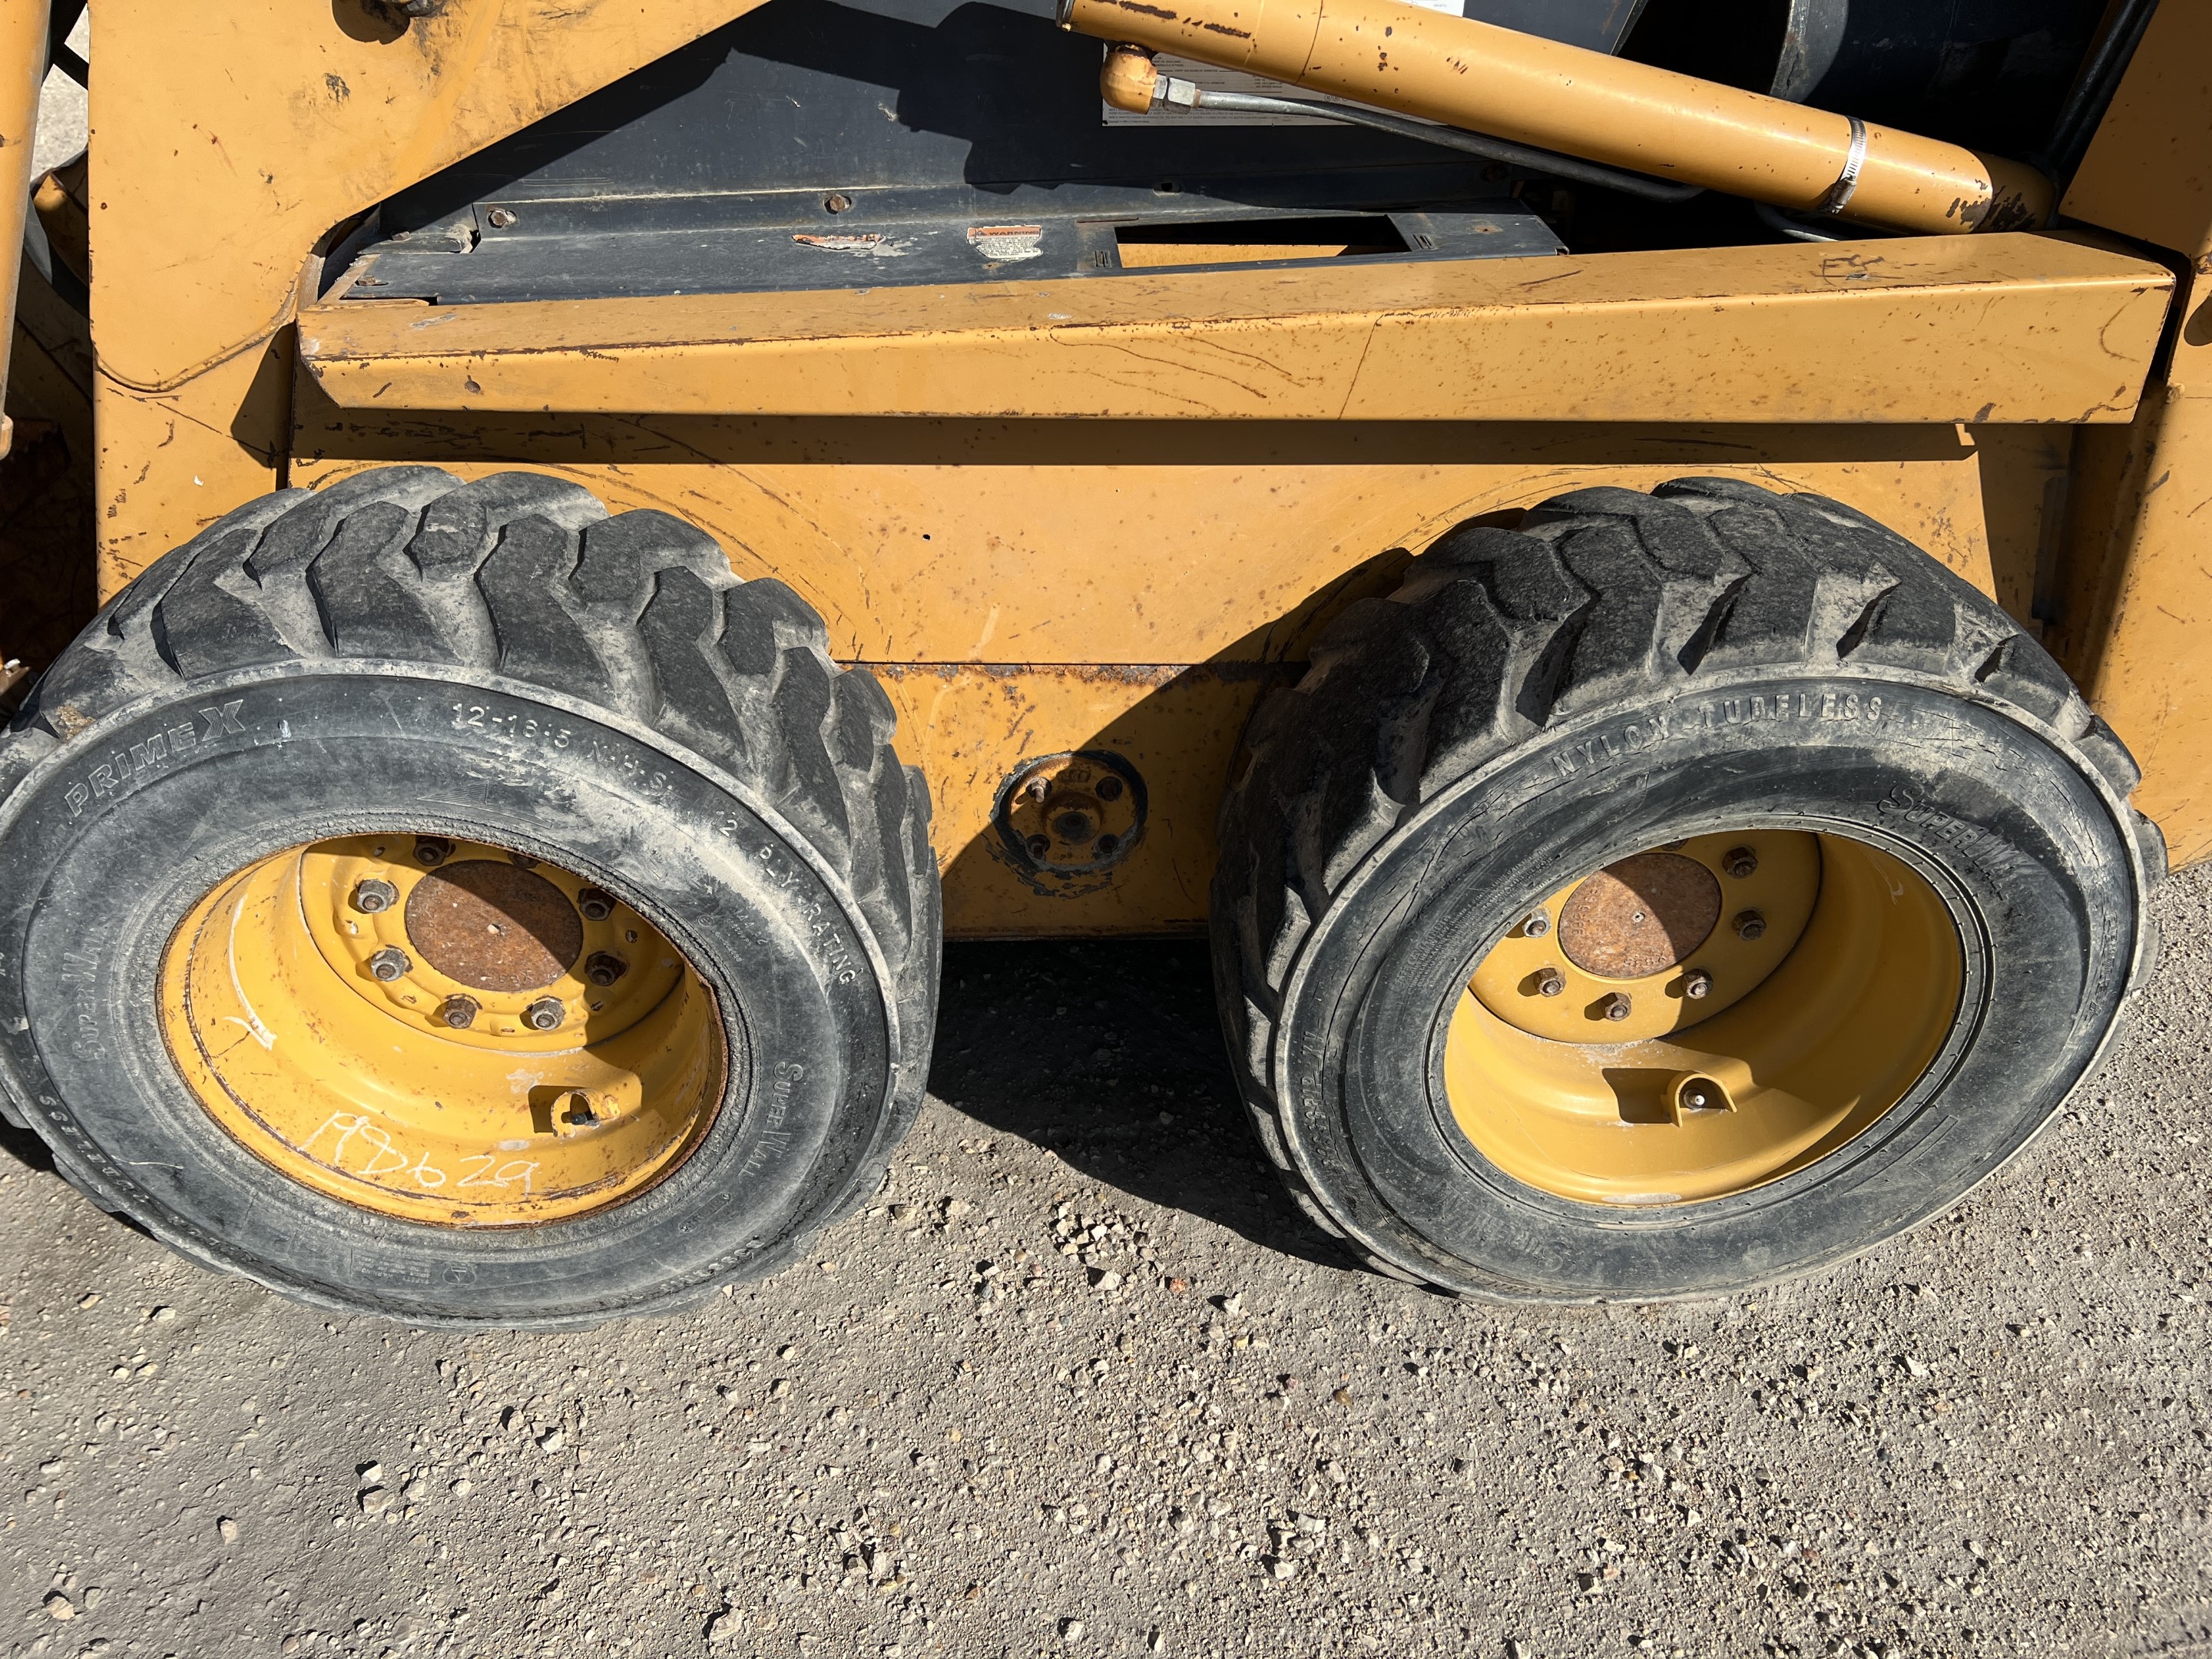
[[596, 905], [1617, 1006], [1749, 924], [544, 1015], [1697, 984], [1109, 789], [388, 964], [1538, 924], [1038, 846], [1550, 982], [459, 1012], [433, 850], [1740, 862], [605, 967], [372, 897]]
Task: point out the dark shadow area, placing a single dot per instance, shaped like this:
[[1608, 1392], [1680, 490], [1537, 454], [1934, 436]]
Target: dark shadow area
[[1108, 1052], [26, 1148], [910, 95]]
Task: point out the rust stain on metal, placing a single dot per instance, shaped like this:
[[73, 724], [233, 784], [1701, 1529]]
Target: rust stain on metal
[[1640, 916], [494, 925]]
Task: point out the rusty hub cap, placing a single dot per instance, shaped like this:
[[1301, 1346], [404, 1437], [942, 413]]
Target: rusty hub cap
[[1642, 915], [494, 925]]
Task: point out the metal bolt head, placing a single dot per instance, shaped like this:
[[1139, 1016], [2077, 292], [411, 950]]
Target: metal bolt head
[[433, 850], [1697, 984], [1618, 1005], [1740, 862], [1109, 788], [388, 964], [1550, 982], [1696, 1099], [1749, 924], [605, 967], [1538, 924], [459, 1012], [501, 218], [1038, 846], [374, 897], [839, 203], [596, 905], [544, 1015]]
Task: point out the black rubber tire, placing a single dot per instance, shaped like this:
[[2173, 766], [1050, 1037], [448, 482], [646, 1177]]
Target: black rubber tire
[[499, 661], [1622, 670]]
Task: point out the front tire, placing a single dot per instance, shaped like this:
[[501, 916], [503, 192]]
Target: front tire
[[447, 902], [1675, 894]]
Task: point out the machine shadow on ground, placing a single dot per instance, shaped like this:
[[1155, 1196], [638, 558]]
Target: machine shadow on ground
[[1108, 1053]]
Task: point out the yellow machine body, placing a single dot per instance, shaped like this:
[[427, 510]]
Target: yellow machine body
[[1059, 518]]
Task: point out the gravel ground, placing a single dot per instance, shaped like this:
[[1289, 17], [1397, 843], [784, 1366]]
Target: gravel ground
[[1080, 1382]]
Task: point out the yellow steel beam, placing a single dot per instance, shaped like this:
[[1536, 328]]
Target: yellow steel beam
[[2000, 328], [22, 71]]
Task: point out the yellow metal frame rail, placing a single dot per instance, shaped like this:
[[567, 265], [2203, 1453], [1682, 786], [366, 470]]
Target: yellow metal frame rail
[[1990, 329]]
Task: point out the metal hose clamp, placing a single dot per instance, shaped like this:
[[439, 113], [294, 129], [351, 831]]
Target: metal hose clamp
[[1840, 193]]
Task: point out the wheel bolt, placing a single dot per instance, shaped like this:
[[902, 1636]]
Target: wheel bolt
[[1038, 846], [544, 1015], [433, 850], [459, 1012], [1740, 862], [596, 905], [1749, 924], [605, 967], [389, 963], [1538, 924], [1550, 982], [1697, 984], [374, 897], [1617, 1007]]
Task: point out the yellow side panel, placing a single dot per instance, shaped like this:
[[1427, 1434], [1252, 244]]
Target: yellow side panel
[[2149, 171], [1995, 328]]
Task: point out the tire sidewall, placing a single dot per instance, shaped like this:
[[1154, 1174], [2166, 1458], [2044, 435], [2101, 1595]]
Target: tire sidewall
[[2023, 842], [111, 839]]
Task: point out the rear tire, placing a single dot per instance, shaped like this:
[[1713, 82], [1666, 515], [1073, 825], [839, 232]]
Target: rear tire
[[496, 662], [1626, 673]]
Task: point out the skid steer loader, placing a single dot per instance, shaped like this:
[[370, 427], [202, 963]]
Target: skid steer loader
[[1622, 557]]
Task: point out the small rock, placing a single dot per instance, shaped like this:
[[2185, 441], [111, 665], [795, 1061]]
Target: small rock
[[1071, 1630], [722, 1627], [1914, 1368], [1105, 1279], [413, 1491], [371, 1474], [1342, 1396], [60, 1606], [551, 1441], [91, 1301], [1515, 1651], [375, 1501], [1156, 1642], [1178, 1286], [780, 1387], [1278, 1568], [290, 1645], [462, 1487], [227, 1529], [162, 1316]]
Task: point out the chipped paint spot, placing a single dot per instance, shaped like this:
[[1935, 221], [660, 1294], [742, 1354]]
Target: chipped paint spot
[[1006, 241]]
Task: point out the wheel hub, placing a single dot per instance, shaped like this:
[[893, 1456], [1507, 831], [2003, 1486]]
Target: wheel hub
[[1697, 1020], [470, 1038]]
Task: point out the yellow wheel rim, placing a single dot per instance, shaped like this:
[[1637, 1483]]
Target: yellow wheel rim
[[442, 1031], [1703, 1018]]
